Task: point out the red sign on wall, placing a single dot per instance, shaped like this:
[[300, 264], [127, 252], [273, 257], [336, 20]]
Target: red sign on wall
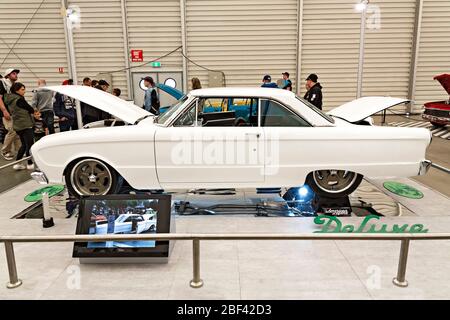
[[61, 70], [137, 55]]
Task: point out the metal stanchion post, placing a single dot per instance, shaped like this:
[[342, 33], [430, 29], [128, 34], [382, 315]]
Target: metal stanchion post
[[47, 221], [400, 280], [14, 282], [196, 282]]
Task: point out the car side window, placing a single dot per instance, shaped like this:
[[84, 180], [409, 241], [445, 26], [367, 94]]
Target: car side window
[[228, 111], [273, 114], [188, 118]]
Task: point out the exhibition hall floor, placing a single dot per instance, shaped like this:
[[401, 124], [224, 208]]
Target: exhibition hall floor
[[239, 269]]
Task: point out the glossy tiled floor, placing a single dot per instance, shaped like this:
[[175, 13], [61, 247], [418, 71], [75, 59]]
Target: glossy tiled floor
[[237, 269]]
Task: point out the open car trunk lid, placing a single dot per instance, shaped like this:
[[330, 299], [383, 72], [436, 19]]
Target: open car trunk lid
[[444, 80], [124, 110], [364, 107]]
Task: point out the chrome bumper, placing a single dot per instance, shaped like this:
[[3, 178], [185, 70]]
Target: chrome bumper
[[424, 167], [39, 177]]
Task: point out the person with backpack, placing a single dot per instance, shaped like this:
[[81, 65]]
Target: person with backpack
[[23, 122]]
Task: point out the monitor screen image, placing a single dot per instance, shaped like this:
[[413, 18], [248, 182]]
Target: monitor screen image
[[122, 217], [131, 214]]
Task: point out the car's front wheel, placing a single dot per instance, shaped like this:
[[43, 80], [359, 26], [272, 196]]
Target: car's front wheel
[[92, 177], [333, 183]]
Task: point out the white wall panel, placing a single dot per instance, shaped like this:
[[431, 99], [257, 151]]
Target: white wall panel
[[41, 48], [155, 28], [99, 41], [244, 39], [330, 47]]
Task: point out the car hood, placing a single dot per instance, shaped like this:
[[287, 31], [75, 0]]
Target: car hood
[[362, 108], [177, 94], [444, 80], [124, 110]]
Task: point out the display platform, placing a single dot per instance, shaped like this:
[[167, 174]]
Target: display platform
[[258, 203]]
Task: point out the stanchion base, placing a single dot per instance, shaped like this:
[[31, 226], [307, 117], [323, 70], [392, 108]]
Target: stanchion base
[[10, 285], [196, 284], [402, 284], [48, 223]]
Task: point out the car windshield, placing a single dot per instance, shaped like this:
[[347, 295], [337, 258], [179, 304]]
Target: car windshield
[[315, 109], [162, 118]]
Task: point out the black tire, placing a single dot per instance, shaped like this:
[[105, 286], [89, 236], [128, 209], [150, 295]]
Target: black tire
[[114, 184], [318, 190]]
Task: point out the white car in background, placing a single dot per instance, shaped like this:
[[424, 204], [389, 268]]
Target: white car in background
[[280, 141], [128, 223]]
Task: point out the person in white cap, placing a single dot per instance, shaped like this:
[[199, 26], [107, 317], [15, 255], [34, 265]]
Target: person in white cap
[[12, 140]]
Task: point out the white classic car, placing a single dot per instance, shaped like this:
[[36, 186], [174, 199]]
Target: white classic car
[[230, 138], [128, 223]]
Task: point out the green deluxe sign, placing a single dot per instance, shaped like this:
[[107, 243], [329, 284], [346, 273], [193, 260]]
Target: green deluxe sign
[[331, 224]]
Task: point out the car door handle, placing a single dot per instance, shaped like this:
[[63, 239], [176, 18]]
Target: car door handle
[[252, 134]]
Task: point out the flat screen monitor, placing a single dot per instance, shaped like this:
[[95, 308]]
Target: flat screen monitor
[[123, 214]]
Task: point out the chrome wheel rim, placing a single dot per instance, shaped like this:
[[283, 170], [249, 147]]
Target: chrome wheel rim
[[334, 181], [91, 177]]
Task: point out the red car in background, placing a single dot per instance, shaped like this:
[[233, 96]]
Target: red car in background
[[438, 112]]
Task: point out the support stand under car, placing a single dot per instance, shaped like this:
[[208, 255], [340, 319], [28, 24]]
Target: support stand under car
[[47, 220], [307, 201]]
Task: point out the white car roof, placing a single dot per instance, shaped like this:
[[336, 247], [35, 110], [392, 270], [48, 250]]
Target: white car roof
[[242, 92]]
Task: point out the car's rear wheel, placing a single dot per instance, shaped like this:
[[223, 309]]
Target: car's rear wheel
[[92, 177], [333, 183]]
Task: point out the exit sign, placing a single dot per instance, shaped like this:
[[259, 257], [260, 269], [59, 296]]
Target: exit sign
[[156, 64]]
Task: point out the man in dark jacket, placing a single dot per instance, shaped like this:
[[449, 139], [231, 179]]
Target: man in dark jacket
[[267, 82], [64, 108], [103, 86], [314, 91], [90, 113]]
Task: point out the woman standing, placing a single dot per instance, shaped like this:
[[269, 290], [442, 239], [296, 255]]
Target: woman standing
[[22, 115], [196, 83]]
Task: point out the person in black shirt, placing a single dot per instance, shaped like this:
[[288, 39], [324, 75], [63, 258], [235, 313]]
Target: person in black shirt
[[314, 91], [40, 127], [287, 83]]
